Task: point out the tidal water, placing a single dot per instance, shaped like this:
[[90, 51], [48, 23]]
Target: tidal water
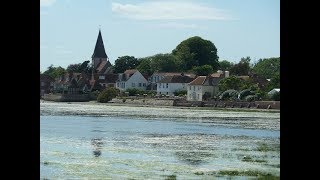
[[137, 145]]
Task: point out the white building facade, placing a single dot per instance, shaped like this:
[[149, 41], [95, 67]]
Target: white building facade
[[131, 79]]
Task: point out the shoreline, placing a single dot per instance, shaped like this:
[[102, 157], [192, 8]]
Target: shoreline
[[173, 107]]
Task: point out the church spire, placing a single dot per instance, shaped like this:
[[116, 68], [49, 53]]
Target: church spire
[[99, 51]]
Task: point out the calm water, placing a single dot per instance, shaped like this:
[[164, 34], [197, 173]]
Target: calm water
[[122, 147]]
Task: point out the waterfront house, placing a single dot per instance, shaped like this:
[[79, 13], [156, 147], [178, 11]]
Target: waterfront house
[[158, 76], [131, 78], [204, 87], [170, 84], [46, 84]]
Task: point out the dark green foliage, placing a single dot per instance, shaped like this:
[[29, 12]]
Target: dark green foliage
[[84, 67], [180, 93], [275, 96], [267, 68], [202, 70], [196, 51], [245, 93], [230, 94], [206, 96], [54, 72], [164, 63], [231, 82], [225, 65], [242, 68], [107, 95], [124, 63], [134, 91], [144, 66], [250, 98]]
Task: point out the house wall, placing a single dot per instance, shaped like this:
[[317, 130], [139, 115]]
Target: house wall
[[194, 92], [136, 81], [162, 88]]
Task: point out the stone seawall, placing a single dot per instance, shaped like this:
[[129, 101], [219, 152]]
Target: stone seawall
[[230, 104], [153, 102], [67, 97]]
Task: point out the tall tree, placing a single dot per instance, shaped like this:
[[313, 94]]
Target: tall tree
[[241, 68], [225, 65], [164, 63], [144, 66], [84, 67], [202, 70], [124, 63], [267, 68], [196, 51], [54, 71]]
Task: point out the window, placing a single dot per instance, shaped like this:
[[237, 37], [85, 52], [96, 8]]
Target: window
[[167, 85], [101, 77], [194, 88], [139, 84], [160, 86], [163, 85], [118, 85], [167, 93], [190, 88], [144, 84], [198, 96], [199, 88], [133, 84]]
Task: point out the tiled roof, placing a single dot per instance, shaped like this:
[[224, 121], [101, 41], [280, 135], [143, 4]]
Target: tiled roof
[[130, 71], [174, 73], [176, 79], [198, 81]]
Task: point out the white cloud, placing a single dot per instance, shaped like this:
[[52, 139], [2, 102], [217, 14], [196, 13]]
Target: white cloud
[[169, 10], [178, 25], [47, 2]]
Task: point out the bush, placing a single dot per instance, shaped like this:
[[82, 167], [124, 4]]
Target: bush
[[275, 96], [229, 94], [250, 98], [245, 93], [134, 91], [107, 95], [206, 96], [180, 93]]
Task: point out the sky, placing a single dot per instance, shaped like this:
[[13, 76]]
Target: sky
[[141, 28]]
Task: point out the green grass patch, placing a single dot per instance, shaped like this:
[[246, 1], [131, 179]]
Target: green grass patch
[[171, 177], [260, 175]]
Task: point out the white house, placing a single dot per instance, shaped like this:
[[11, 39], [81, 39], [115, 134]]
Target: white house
[[169, 84], [131, 78], [205, 85], [158, 76]]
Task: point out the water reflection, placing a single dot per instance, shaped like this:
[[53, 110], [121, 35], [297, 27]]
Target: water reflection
[[97, 144]]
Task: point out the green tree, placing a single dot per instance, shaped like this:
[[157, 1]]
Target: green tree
[[241, 68], [225, 65], [196, 51], [124, 63], [231, 82], [144, 66], [107, 94], [54, 72], [163, 63], [84, 67], [202, 70], [267, 68]]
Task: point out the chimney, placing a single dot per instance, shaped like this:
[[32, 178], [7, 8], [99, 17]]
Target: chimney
[[226, 73]]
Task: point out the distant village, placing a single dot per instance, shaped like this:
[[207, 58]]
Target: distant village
[[190, 86]]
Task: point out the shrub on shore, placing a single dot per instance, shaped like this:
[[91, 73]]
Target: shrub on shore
[[107, 95]]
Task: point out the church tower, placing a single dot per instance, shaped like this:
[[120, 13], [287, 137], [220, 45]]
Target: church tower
[[99, 54]]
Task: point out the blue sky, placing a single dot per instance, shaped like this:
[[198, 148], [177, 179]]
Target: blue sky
[[140, 28]]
